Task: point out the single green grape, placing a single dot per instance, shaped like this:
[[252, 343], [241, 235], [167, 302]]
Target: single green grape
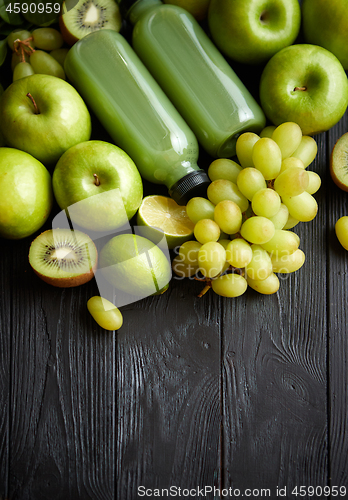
[[44, 63], [288, 263], [302, 207], [239, 253], [47, 38], [18, 35], [281, 217], [267, 157], [266, 202], [224, 242], [206, 230], [223, 168], [188, 252], [244, 148], [17, 58], [260, 266], [182, 269], [291, 182], [314, 182], [291, 222], [222, 189], [198, 208], [250, 181], [267, 287], [22, 70], [288, 136], [228, 216], [257, 229], [307, 150], [268, 131], [60, 55], [291, 162], [283, 243], [105, 313], [229, 285], [211, 259], [341, 229]]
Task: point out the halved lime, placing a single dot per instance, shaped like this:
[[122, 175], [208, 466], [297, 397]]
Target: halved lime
[[160, 216]]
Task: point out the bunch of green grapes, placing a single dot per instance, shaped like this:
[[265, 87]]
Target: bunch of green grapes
[[243, 228], [39, 51]]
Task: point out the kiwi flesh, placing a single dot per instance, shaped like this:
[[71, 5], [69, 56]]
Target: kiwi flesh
[[339, 162], [63, 257], [79, 18]]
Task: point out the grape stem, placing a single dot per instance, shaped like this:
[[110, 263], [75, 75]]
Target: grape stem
[[23, 46], [208, 281], [206, 288], [36, 109]]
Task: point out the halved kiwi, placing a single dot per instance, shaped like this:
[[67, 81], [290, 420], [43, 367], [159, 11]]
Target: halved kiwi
[[339, 162], [63, 258], [79, 18]]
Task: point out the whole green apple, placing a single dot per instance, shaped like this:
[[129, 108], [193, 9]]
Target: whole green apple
[[325, 23], [26, 195], [44, 116], [99, 184], [305, 84], [252, 31]]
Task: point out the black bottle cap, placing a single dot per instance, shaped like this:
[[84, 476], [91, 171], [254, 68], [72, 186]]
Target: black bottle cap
[[193, 184]]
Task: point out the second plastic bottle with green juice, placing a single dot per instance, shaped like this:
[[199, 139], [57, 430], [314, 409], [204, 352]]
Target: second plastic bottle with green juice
[[194, 75]]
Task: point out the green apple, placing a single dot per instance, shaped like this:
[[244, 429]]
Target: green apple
[[252, 31], [99, 185], [325, 23], [305, 84], [26, 195], [44, 116]]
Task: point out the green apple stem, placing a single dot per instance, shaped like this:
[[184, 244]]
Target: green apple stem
[[96, 180], [36, 109], [300, 88]]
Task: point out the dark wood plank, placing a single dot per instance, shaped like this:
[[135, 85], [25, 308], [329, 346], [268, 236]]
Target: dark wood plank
[[168, 366], [5, 364], [275, 414], [62, 393], [338, 320]]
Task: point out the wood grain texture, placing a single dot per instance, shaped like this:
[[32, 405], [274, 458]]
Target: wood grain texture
[[242, 393], [168, 392], [62, 393], [337, 266], [5, 364]]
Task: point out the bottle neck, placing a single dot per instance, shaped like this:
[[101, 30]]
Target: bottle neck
[[141, 7]]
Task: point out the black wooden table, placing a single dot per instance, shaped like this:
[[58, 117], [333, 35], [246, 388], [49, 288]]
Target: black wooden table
[[247, 395]]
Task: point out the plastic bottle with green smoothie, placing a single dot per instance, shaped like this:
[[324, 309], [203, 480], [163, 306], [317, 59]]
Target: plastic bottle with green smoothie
[[193, 73]]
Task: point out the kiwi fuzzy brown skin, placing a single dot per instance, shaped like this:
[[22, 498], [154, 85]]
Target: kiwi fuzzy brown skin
[[67, 36], [335, 168], [67, 282]]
